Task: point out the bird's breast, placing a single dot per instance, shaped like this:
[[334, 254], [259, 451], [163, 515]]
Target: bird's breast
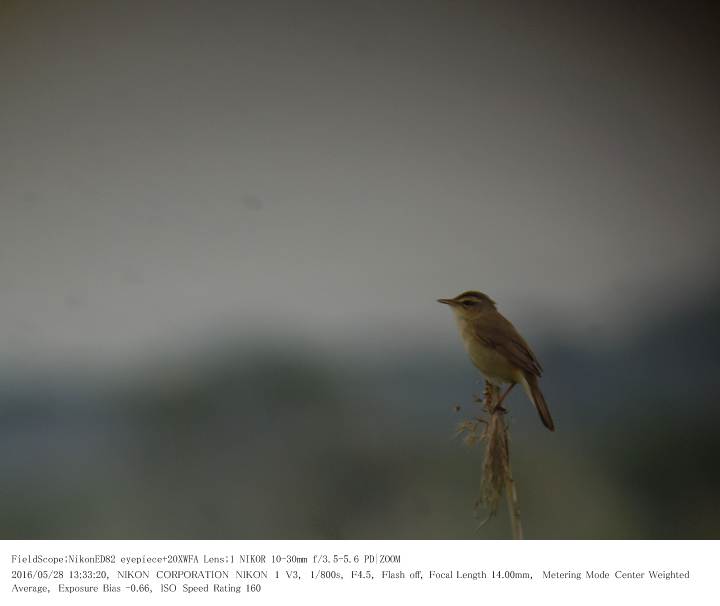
[[492, 364]]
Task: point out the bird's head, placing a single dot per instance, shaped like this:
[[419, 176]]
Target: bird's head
[[469, 304]]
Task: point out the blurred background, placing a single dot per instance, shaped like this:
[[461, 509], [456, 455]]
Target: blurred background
[[224, 226]]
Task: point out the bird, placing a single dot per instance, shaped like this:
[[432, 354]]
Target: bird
[[497, 350]]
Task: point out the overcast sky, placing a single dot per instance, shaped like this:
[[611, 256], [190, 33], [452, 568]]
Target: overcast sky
[[331, 168]]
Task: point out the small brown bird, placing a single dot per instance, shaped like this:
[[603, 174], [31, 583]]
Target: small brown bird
[[497, 349]]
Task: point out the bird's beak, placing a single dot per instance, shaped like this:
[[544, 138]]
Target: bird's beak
[[447, 301]]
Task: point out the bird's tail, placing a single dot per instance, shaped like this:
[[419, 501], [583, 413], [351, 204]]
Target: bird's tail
[[532, 388]]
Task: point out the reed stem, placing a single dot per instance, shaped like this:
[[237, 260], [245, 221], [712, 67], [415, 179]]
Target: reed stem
[[498, 436]]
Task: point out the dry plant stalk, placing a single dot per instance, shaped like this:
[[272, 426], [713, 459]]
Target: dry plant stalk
[[497, 473]]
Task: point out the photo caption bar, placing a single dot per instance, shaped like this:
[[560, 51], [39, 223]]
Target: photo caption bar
[[355, 571]]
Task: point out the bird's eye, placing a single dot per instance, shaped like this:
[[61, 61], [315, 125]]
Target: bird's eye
[[468, 303]]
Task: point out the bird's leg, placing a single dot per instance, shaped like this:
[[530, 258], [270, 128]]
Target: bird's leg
[[498, 406]]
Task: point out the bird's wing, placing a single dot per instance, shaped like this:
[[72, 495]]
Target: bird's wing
[[497, 332]]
